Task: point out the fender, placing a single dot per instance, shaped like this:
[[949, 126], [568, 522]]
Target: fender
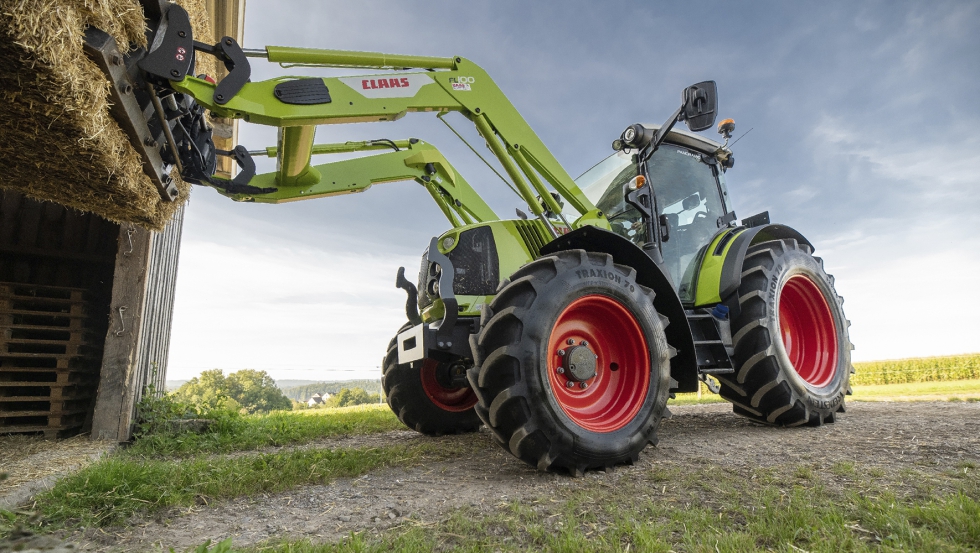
[[720, 271], [684, 366]]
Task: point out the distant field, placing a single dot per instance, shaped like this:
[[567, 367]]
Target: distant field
[[920, 369]]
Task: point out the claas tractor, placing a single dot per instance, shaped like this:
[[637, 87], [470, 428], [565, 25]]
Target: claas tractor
[[564, 330]]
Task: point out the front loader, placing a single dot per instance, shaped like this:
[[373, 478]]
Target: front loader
[[565, 330]]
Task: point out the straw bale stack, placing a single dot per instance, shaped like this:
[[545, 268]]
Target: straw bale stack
[[58, 141]]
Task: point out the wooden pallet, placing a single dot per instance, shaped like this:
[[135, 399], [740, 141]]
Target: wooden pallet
[[50, 354]]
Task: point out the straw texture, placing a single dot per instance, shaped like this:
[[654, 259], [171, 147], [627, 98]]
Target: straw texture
[[58, 141]]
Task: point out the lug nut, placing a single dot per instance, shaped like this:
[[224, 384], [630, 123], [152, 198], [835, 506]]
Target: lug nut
[[561, 370], [561, 353], [583, 385], [569, 384], [584, 343], [570, 342]]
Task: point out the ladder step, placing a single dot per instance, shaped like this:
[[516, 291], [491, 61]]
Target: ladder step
[[717, 370]]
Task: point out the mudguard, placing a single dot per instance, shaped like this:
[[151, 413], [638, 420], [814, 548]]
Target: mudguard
[[720, 271], [684, 366]]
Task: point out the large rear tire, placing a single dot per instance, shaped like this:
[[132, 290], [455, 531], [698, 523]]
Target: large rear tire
[[419, 396], [572, 365], [792, 351]]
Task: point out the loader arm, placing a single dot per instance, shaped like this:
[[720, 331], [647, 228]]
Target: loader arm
[[412, 159], [297, 105], [527, 161]]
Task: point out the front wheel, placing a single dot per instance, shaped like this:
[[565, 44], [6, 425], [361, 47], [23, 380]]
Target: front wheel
[[422, 396], [573, 366], [792, 351]]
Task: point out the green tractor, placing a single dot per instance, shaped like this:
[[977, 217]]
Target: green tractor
[[565, 330]]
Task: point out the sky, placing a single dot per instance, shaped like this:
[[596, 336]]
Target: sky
[[865, 137]]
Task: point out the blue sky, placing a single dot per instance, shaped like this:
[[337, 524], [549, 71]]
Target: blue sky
[[864, 121]]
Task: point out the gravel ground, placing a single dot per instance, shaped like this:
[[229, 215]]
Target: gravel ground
[[890, 436]]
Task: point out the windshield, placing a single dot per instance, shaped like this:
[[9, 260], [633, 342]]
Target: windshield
[[687, 195], [603, 186], [689, 199]]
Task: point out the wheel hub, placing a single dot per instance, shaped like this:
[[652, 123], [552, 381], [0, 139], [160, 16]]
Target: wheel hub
[[579, 363], [599, 367]]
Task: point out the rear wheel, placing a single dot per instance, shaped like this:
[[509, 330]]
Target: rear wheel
[[572, 364], [422, 396], [792, 352]]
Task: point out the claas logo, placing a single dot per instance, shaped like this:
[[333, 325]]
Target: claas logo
[[368, 84]]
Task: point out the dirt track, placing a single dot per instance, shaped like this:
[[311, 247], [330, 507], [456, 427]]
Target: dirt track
[[889, 436]]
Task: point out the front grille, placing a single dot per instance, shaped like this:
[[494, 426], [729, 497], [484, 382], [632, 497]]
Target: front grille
[[474, 259]]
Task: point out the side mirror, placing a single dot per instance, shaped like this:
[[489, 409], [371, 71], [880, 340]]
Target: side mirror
[[700, 104]]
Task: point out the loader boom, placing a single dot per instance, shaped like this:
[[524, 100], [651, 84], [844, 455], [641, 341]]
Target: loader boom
[[298, 104], [412, 159]]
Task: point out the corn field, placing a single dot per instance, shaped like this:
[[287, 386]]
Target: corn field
[[922, 369]]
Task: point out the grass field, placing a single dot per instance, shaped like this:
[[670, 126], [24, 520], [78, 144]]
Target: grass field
[[110, 490], [248, 432], [852, 507], [929, 390], [958, 390]]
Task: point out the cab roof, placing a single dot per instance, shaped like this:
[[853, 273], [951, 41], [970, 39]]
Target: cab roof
[[689, 139]]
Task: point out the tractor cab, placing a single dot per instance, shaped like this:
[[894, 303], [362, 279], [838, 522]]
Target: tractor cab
[[690, 195]]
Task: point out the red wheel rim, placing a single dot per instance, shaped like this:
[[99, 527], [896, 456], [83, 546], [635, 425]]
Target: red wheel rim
[[807, 328], [454, 400], [615, 394]]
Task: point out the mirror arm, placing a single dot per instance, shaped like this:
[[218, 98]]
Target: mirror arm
[[661, 135]]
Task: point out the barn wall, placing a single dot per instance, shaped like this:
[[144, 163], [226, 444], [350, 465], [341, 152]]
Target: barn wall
[[138, 339], [158, 314]]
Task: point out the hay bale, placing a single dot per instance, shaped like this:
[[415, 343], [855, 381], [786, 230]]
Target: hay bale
[[58, 141]]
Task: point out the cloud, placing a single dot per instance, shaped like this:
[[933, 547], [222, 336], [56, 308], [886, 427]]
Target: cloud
[[297, 312]]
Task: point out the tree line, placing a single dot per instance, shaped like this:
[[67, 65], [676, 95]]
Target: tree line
[[253, 391], [306, 391]]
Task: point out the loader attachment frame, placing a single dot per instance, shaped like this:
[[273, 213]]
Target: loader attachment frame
[[297, 105]]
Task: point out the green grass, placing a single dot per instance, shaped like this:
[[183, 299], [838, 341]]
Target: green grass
[[961, 388], [958, 390], [705, 509], [248, 432], [692, 398], [114, 488]]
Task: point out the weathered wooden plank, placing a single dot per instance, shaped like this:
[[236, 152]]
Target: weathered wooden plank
[[87, 396], [116, 397], [43, 413]]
